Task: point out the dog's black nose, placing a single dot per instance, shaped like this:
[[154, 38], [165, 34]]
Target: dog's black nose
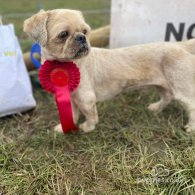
[[80, 39]]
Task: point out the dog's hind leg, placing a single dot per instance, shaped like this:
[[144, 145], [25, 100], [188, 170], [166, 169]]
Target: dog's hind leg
[[165, 98], [189, 104], [191, 123]]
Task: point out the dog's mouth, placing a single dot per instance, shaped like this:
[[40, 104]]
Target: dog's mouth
[[83, 50]]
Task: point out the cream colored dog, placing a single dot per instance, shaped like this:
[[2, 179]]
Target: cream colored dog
[[170, 67]]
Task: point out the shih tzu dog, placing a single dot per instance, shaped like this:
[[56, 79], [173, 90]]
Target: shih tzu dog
[[170, 67]]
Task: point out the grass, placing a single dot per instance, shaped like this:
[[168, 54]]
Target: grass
[[130, 152]]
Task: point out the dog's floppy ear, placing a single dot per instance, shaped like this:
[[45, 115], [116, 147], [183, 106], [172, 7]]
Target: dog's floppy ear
[[36, 27]]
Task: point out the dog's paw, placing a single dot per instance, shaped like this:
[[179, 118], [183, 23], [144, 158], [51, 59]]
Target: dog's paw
[[155, 107], [58, 128], [86, 128], [189, 128]]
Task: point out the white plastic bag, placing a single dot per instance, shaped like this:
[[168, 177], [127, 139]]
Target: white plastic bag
[[15, 87]]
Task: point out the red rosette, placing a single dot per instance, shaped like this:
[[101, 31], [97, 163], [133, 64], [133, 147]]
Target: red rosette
[[69, 68], [61, 78]]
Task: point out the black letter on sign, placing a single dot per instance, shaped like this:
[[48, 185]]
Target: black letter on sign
[[171, 29], [190, 30]]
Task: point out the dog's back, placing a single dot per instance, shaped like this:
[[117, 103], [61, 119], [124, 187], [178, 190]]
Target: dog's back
[[188, 45]]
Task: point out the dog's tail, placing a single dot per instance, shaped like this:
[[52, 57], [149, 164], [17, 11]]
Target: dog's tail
[[189, 45]]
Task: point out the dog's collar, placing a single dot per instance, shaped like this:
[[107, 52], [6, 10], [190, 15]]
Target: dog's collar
[[61, 78]]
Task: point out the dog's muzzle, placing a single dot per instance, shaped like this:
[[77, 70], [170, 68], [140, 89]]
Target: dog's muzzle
[[80, 39]]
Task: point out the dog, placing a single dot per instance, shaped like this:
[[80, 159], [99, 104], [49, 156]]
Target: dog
[[169, 67]]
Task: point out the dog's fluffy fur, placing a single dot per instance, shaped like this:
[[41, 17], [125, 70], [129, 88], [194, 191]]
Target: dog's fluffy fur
[[170, 67]]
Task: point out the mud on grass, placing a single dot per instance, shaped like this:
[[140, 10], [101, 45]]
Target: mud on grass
[[117, 158]]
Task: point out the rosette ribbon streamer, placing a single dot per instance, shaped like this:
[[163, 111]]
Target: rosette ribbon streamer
[[61, 78]]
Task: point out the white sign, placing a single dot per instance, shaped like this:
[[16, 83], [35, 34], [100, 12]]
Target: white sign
[[142, 21]]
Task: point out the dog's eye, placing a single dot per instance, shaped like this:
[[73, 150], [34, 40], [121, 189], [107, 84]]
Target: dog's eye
[[84, 31], [63, 35]]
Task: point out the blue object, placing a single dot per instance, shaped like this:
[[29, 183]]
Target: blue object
[[35, 49]]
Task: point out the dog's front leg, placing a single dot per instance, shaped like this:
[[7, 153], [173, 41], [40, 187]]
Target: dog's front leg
[[87, 105]]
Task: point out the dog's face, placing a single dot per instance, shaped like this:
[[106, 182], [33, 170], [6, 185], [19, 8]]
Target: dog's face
[[63, 34]]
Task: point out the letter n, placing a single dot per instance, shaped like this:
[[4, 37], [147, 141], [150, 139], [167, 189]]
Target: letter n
[[177, 34]]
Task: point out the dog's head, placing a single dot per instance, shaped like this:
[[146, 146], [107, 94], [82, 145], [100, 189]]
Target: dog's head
[[62, 33]]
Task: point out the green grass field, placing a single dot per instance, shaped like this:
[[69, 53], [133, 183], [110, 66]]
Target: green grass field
[[130, 152]]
